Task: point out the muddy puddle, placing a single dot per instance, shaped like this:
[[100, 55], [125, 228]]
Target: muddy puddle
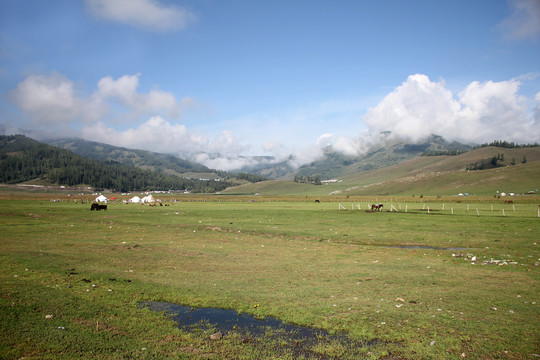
[[425, 247], [282, 337]]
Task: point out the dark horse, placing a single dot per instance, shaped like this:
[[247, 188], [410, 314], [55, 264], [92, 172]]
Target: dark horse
[[377, 206], [98, 207]]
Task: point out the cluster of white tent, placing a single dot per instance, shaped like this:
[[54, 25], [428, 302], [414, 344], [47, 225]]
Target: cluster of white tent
[[147, 199]]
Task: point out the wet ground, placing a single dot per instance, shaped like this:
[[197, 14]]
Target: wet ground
[[228, 320], [290, 338], [425, 247]]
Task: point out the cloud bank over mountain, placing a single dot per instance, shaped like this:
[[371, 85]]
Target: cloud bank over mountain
[[481, 112], [220, 82]]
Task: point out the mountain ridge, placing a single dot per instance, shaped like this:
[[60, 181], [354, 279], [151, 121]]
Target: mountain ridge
[[441, 174], [391, 167], [386, 153], [144, 159], [24, 160]]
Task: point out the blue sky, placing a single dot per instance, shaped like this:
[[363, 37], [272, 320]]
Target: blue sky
[[216, 80]]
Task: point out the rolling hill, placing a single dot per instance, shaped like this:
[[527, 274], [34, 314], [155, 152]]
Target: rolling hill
[[390, 168], [148, 160], [332, 164], [385, 153], [24, 160], [426, 175]]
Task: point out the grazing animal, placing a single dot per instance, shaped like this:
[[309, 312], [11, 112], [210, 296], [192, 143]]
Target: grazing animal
[[97, 207], [317, 201], [377, 206]]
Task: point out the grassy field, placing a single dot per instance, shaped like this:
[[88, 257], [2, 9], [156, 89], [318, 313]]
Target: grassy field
[[432, 279], [425, 175]]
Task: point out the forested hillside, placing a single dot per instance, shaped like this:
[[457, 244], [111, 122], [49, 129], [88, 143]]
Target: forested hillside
[[131, 157], [23, 159]]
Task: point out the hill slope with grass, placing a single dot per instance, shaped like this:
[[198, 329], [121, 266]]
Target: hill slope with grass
[[516, 170], [385, 153], [482, 171]]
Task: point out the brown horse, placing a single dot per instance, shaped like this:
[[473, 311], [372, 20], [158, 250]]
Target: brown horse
[[376, 206]]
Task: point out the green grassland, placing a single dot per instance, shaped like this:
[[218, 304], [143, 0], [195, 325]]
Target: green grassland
[[71, 279], [425, 175]]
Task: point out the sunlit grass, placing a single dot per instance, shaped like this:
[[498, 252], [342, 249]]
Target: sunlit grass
[[310, 264]]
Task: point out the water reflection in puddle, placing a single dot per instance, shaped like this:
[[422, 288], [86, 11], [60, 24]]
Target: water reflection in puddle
[[425, 247], [227, 320], [298, 339]]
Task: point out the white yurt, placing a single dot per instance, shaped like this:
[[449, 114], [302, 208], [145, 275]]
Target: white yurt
[[148, 199], [101, 198], [135, 200]]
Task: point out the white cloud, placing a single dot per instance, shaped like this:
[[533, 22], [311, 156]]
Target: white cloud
[[228, 143], [124, 90], [270, 146], [482, 112], [492, 110], [158, 134], [414, 110], [350, 146], [47, 99], [537, 108], [324, 140], [155, 134], [282, 132], [524, 22], [221, 162], [147, 14], [305, 155], [52, 101]]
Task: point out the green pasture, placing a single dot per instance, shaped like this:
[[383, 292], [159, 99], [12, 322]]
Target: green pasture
[[434, 278], [422, 176]]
